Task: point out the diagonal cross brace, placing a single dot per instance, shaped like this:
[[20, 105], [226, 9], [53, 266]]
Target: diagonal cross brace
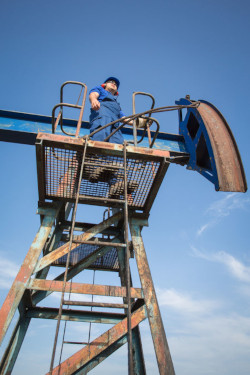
[[81, 358], [64, 249]]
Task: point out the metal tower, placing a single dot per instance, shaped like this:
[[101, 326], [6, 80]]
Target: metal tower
[[73, 170]]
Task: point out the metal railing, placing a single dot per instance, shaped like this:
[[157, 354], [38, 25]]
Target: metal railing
[[59, 118]]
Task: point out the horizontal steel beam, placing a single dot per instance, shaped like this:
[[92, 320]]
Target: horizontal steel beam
[[75, 315], [100, 290], [18, 127]]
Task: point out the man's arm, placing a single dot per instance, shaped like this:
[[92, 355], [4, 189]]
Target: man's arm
[[127, 121], [93, 98]]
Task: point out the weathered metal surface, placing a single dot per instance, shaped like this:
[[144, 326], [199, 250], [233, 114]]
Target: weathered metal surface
[[99, 345], [23, 128], [11, 353], [73, 271], [101, 290], [138, 358], [19, 285], [112, 148], [212, 147], [102, 356], [82, 227], [162, 352], [156, 186], [75, 315], [96, 304], [62, 250]]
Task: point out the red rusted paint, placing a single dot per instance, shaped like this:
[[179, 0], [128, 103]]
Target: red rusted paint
[[101, 290], [19, 285], [63, 140], [227, 158], [162, 352], [62, 250], [83, 356]]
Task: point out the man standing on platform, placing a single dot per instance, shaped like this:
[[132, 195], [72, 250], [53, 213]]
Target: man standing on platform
[[105, 109]]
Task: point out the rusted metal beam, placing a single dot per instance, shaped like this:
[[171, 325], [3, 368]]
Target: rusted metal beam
[[64, 249], [162, 352], [99, 345], [75, 315], [101, 357], [101, 290], [138, 358], [74, 270], [82, 227], [11, 353], [156, 185], [101, 147], [19, 285], [96, 304]]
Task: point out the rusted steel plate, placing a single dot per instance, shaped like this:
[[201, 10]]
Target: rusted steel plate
[[64, 249], [162, 352], [101, 290], [99, 345], [101, 147], [229, 166], [19, 285]]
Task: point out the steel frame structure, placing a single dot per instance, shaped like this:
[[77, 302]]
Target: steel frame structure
[[51, 245], [74, 170]]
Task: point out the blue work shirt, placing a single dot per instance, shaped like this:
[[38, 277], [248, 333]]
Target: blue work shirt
[[103, 94], [109, 111]]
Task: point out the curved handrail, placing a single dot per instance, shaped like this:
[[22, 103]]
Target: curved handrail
[[61, 105], [149, 113]]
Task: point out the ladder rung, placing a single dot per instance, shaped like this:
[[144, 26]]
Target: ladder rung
[[81, 343], [101, 243], [101, 199], [96, 304], [105, 166]]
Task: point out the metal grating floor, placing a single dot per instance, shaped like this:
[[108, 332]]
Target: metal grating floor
[[109, 261], [102, 176]]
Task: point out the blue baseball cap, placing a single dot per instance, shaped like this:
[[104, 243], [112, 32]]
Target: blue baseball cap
[[113, 79]]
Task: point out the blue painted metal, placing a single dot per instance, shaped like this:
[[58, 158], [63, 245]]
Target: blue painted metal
[[11, 353], [212, 148], [191, 143], [18, 127], [18, 288]]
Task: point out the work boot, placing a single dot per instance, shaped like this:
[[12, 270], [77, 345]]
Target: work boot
[[118, 188], [97, 174]]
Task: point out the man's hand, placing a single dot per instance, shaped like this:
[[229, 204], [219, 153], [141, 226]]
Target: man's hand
[[95, 104], [93, 98]]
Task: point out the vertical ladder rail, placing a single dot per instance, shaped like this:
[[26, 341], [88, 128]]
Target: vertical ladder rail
[[68, 259], [130, 356]]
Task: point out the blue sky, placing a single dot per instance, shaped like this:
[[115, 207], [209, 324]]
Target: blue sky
[[198, 239]]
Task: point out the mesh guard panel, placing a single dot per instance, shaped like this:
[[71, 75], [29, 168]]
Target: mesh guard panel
[[109, 261], [102, 176]]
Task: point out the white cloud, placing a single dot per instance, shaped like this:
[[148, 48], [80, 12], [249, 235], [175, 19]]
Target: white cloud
[[236, 268], [184, 303], [203, 346], [203, 228], [8, 272], [222, 208], [230, 202]]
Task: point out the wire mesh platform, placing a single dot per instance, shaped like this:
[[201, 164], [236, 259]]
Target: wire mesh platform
[[59, 163], [108, 262]]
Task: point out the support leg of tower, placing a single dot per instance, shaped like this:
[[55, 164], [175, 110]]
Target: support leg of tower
[[162, 352]]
